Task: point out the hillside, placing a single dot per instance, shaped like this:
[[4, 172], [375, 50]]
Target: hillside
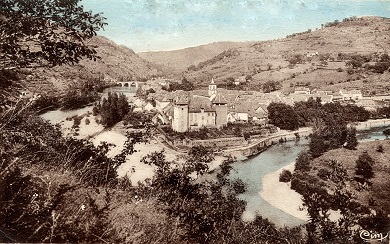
[[345, 189], [320, 57], [312, 58], [348, 160], [180, 60], [116, 63]]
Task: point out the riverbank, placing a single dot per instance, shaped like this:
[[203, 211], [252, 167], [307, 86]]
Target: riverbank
[[372, 123], [280, 195], [259, 146]]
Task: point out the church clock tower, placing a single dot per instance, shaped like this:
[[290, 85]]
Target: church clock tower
[[212, 88]]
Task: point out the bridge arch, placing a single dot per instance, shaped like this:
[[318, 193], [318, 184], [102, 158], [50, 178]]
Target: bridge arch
[[135, 84]]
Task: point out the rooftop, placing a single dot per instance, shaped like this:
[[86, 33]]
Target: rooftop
[[220, 99], [197, 103]]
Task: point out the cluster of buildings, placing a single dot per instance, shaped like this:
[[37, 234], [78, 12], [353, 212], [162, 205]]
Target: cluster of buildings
[[215, 107], [304, 93], [354, 96]]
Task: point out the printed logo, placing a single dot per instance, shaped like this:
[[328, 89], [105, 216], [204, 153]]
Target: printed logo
[[372, 236]]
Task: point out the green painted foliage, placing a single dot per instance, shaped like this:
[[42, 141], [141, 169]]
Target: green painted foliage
[[46, 33]]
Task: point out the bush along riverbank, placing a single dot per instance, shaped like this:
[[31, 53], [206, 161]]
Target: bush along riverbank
[[344, 192]]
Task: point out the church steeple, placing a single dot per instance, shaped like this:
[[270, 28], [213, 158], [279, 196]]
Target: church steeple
[[212, 88]]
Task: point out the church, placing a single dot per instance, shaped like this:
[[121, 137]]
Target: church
[[192, 112]]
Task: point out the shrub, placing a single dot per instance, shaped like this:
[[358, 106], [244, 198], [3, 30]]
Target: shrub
[[364, 166], [351, 140], [75, 98], [87, 121], [380, 148], [285, 176], [386, 132], [95, 111], [323, 174], [112, 109], [297, 184], [76, 122], [49, 211], [302, 162]]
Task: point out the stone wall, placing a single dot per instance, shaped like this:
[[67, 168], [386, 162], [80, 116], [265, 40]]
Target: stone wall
[[372, 123], [221, 142], [262, 145], [215, 143]]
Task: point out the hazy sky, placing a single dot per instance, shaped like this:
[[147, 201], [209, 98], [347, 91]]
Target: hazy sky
[[153, 25]]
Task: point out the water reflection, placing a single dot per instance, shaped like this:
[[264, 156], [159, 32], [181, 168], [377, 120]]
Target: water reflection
[[252, 170], [372, 134]]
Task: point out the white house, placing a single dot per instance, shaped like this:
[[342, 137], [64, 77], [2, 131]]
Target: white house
[[302, 90], [351, 94], [148, 107], [139, 102], [367, 103], [242, 116], [160, 105], [231, 118]]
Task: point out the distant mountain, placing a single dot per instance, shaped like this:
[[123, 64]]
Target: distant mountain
[[116, 63], [180, 60], [322, 53], [120, 61]]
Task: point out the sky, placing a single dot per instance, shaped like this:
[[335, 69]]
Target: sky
[[159, 25]]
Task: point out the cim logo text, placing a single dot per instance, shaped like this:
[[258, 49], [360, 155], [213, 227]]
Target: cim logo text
[[372, 236]]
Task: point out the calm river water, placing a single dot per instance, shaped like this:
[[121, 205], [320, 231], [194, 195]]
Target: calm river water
[[252, 170]]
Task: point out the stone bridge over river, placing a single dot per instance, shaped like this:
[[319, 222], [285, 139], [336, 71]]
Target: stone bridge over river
[[135, 84]]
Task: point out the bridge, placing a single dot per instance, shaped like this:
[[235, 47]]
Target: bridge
[[135, 84]]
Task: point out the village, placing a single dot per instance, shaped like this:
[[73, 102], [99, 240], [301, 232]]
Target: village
[[228, 120], [215, 107]]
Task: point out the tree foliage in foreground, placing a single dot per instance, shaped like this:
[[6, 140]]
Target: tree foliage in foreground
[[48, 182], [327, 193], [208, 211], [46, 32], [59, 189]]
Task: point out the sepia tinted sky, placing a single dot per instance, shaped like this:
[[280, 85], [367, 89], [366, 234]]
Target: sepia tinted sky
[[154, 25]]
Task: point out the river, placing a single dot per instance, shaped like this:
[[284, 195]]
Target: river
[[252, 170]]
